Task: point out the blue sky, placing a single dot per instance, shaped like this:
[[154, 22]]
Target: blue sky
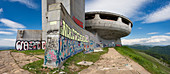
[[151, 18]]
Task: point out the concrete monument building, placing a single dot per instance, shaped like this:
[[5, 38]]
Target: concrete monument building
[[68, 30], [109, 27]]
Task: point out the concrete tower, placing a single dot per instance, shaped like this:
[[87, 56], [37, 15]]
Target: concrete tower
[[53, 12], [75, 8]]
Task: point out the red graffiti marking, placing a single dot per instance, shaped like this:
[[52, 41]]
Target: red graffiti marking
[[78, 22], [118, 45]]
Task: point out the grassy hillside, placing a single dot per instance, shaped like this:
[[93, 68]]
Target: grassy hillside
[[160, 49], [147, 61], [159, 52]]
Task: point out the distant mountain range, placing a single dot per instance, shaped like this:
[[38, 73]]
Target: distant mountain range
[[154, 49], [6, 47], [159, 52], [140, 47]]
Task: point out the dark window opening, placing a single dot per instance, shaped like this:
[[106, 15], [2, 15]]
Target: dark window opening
[[108, 17], [88, 27], [89, 16], [125, 21]]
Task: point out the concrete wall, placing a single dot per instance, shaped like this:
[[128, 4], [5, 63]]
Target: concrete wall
[[29, 35], [29, 40], [67, 38]]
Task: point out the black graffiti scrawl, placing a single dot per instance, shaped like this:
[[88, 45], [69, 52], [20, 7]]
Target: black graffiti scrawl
[[29, 45]]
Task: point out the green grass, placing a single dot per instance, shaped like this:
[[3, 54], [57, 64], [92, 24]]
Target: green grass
[[36, 67], [93, 57], [148, 62], [31, 52]]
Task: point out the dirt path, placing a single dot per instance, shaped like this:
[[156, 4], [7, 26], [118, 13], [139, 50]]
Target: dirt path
[[114, 63], [12, 62]]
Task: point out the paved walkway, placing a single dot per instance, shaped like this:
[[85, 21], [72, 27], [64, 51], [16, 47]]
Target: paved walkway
[[114, 63], [12, 62]]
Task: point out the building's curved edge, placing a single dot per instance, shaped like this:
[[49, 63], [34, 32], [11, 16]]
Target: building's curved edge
[[110, 13]]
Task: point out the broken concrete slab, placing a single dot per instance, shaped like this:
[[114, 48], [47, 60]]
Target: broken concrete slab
[[85, 63]]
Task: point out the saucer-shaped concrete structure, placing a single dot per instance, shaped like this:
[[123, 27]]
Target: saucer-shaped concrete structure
[[109, 27]]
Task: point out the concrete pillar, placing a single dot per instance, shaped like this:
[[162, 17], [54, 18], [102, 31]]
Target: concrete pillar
[[119, 19], [44, 19], [52, 34], [97, 16]]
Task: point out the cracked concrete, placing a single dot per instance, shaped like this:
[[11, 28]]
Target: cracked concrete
[[114, 63], [12, 62]]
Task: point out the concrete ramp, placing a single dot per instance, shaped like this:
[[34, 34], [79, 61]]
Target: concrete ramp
[[114, 63]]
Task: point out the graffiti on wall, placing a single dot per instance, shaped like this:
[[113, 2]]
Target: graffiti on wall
[[71, 33], [51, 53], [68, 42], [29, 45], [78, 22]]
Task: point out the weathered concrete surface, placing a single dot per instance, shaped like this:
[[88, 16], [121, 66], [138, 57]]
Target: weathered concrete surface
[[12, 62], [114, 63], [29, 35]]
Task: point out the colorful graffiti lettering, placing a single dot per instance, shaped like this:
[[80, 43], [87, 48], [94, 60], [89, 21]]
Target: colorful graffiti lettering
[[71, 33], [29, 45], [66, 44]]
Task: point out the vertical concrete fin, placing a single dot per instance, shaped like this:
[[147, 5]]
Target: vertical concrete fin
[[130, 24], [97, 16], [119, 19]]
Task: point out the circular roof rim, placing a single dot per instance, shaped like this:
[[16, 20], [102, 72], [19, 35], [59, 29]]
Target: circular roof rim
[[105, 12]]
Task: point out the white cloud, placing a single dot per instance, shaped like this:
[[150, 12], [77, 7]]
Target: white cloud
[[28, 3], [153, 40], [153, 33], [11, 24], [1, 10], [7, 42], [9, 29], [161, 14], [167, 33], [15, 30], [6, 33], [124, 7], [10, 39], [139, 27]]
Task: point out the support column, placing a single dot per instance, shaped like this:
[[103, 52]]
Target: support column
[[119, 19], [97, 16], [130, 24], [53, 29]]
